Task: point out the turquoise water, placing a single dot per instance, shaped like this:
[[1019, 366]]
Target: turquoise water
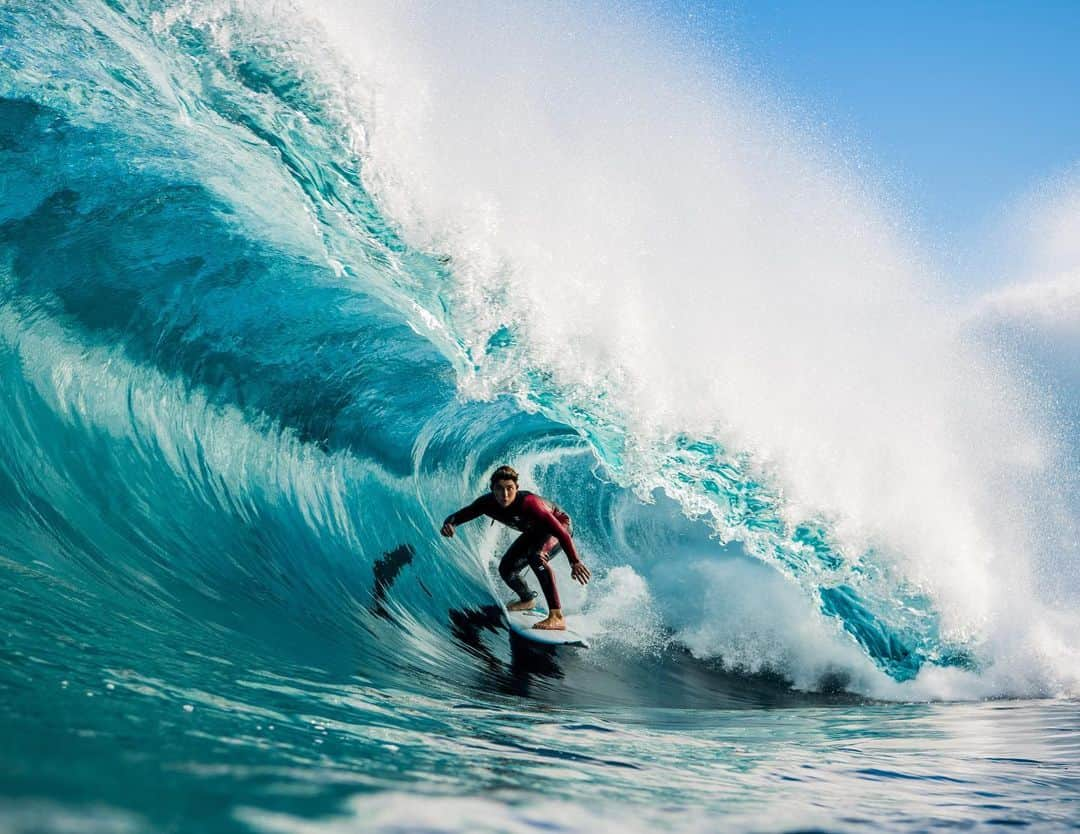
[[257, 341]]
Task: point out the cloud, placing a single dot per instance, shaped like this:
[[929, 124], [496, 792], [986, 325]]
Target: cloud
[[1035, 317], [1050, 304]]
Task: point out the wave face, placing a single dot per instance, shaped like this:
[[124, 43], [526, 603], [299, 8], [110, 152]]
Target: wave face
[[280, 284]]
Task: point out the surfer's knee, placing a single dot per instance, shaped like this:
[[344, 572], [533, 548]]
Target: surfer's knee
[[538, 562]]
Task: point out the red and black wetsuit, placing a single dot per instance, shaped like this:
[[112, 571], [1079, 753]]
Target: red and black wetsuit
[[545, 531]]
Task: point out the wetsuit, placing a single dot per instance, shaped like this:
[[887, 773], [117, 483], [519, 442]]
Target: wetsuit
[[545, 531]]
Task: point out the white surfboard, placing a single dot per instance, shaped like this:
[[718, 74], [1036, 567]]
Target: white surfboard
[[522, 622]]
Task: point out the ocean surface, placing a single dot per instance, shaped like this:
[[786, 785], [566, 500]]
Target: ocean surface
[[282, 282]]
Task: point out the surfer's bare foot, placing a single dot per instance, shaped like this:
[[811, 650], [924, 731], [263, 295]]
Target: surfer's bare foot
[[521, 605], [552, 622]]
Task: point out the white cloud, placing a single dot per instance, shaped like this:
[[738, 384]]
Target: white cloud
[[1048, 303]]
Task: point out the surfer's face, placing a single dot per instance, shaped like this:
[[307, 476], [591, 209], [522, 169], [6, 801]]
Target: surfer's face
[[505, 492]]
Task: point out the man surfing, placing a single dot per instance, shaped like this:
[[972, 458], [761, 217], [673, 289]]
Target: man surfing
[[545, 531]]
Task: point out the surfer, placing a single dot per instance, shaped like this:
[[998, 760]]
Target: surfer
[[545, 531]]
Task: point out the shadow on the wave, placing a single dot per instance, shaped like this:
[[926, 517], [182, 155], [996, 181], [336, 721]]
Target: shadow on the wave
[[385, 572], [528, 661]]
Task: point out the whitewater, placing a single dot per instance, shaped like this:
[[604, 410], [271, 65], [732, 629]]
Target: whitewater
[[281, 283]]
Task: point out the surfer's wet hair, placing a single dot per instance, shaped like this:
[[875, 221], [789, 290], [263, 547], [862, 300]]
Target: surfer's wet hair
[[504, 473]]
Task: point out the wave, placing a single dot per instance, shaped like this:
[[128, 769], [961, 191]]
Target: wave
[[281, 284]]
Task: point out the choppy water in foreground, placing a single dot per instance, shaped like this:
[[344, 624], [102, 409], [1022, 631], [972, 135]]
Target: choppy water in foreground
[[194, 741], [299, 750]]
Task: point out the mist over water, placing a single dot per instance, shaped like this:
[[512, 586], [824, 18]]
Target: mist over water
[[281, 283]]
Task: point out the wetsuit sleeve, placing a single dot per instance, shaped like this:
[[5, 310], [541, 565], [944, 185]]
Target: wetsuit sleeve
[[540, 514], [476, 509]]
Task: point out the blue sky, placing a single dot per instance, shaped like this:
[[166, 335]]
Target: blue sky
[[960, 108]]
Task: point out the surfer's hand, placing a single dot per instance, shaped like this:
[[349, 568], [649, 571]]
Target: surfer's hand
[[580, 572], [448, 530]]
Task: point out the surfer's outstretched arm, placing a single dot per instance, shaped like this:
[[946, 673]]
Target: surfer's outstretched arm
[[474, 510]]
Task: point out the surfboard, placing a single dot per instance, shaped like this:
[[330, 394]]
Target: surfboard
[[522, 622]]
